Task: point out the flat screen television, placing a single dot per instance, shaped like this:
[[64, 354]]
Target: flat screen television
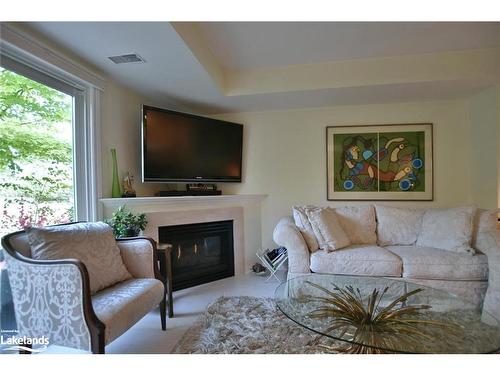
[[180, 147]]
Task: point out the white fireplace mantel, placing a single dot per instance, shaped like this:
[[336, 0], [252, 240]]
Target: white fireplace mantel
[[184, 201], [243, 209]]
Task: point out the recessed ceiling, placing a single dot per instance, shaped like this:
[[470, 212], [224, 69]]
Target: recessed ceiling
[[170, 72], [181, 60], [251, 45]]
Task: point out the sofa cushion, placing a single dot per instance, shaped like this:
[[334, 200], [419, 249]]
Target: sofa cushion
[[122, 305], [359, 223], [472, 291], [305, 227], [397, 226], [432, 263], [448, 229], [92, 243], [361, 260], [327, 229]]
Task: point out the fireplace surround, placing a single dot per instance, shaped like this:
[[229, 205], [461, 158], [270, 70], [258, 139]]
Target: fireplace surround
[[201, 252], [243, 209]]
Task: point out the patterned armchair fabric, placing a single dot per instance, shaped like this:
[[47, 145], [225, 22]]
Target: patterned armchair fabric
[[48, 301], [53, 298]]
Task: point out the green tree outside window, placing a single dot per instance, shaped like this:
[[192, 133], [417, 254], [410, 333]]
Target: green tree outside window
[[36, 170]]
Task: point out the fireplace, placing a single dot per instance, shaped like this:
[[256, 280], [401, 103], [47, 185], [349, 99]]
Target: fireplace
[[201, 252]]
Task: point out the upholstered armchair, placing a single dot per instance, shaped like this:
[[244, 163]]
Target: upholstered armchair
[[53, 297]]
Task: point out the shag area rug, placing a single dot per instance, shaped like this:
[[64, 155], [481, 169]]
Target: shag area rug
[[249, 325], [246, 325]]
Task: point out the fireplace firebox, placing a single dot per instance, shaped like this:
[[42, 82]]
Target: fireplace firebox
[[201, 252]]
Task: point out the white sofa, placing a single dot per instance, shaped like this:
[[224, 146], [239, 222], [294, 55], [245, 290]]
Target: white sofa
[[473, 277]]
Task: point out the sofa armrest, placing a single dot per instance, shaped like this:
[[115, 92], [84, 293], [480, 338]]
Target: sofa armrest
[[288, 235], [489, 244], [52, 299], [138, 254]]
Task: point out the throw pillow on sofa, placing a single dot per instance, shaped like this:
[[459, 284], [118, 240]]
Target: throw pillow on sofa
[[448, 229], [359, 223], [327, 229], [305, 228], [398, 226], [92, 243]]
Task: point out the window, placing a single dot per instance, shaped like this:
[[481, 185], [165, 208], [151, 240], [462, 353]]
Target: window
[[36, 153], [49, 143], [64, 106]]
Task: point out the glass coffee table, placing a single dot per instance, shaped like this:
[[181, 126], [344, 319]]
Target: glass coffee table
[[377, 315]]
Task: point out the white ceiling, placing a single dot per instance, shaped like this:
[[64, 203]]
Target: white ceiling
[[170, 72], [174, 76], [251, 45]]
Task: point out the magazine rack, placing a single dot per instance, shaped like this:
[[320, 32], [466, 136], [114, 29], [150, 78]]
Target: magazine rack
[[272, 265]]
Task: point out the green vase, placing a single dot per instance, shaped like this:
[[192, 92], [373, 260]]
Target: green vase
[[116, 191]]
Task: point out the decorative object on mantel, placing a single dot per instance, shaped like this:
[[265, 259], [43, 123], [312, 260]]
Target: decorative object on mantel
[[128, 189], [126, 223], [380, 162], [115, 185]]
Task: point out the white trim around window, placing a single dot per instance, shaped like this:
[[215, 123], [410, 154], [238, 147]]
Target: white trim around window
[[24, 55], [86, 151]]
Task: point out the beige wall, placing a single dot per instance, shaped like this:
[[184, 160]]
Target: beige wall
[[484, 141], [285, 156], [121, 129]]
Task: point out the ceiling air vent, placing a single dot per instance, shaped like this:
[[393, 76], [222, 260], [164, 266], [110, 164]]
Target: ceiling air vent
[[128, 58]]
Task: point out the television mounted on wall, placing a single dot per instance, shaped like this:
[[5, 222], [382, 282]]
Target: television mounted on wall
[[181, 147]]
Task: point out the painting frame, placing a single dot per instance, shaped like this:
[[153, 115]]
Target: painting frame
[[421, 133]]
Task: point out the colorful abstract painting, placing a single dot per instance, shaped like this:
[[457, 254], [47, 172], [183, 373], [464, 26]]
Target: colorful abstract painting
[[380, 162]]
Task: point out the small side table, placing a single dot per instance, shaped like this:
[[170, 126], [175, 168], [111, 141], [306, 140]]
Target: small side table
[[164, 251]]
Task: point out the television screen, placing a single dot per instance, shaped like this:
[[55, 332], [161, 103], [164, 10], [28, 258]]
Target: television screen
[[179, 147]]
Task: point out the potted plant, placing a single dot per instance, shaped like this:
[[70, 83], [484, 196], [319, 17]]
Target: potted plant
[[127, 224]]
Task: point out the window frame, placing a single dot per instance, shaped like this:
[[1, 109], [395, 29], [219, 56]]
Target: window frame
[[86, 115]]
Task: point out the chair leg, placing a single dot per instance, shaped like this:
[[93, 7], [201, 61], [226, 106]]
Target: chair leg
[[163, 314], [170, 300], [97, 344], [100, 349], [169, 288]]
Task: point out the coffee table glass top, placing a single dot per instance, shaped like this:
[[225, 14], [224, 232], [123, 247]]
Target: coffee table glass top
[[379, 315]]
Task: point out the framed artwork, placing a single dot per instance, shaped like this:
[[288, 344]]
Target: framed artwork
[[379, 162]]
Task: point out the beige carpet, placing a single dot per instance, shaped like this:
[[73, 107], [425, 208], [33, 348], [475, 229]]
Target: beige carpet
[[246, 325]]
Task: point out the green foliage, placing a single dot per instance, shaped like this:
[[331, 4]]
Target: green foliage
[[48, 185], [29, 143], [127, 224], [28, 113], [28, 101], [36, 185], [42, 196]]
